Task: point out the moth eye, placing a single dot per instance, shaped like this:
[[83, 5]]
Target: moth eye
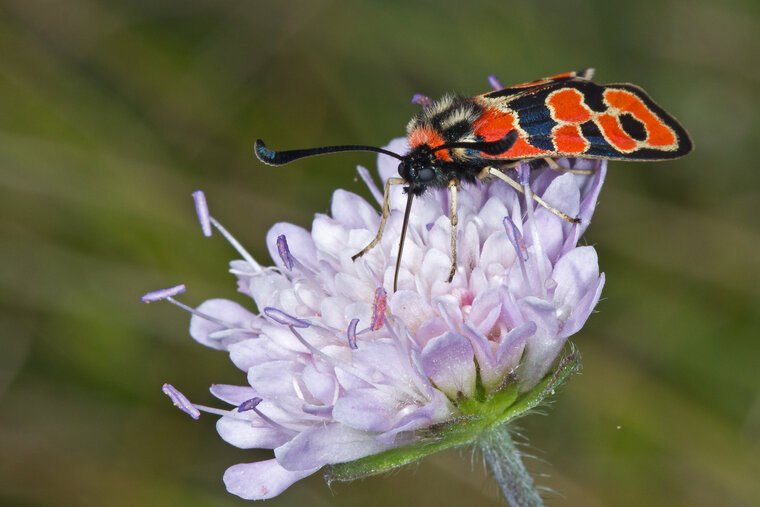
[[426, 174]]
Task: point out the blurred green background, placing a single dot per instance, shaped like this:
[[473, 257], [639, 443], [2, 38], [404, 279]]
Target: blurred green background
[[112, 113]]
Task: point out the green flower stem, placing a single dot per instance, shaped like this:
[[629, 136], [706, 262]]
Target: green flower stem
[[506, 464], [482, 422]]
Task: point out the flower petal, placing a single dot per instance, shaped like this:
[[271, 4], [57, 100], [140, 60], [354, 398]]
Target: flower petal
[[214, 335], [234, 395], [542, 349], [563, 194], [367, 409], [448, 361], [411, 307], [512, 345], [261, 480], [353, 211], [322, 445], [575, 273], [590, 189], [583, 309], [251, 434]]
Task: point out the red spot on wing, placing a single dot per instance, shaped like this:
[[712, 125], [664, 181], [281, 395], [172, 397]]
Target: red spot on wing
[[614, 133], [567, 106], [494, 125], [658, 134], [522, 149], [569, 139]]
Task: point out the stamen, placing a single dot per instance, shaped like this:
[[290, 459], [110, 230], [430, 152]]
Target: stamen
[[524, 172], [522, 252], [199, 314], [166, 294], [515, 237], [158, 295], [235, 244], [422, 100], [226, 333], [249, 404], [283, 318], [252, 404], [180, 401], [495, 83], [220, 412], [293, 323], [315, 351], [201, 209], [351, 332], [420, 384], [284, 251], [378, 309], [336, 363]]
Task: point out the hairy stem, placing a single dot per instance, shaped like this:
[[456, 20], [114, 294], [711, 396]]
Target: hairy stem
[[506, 464]]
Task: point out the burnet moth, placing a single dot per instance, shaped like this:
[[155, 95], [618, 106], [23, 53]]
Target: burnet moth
[[463, 139]]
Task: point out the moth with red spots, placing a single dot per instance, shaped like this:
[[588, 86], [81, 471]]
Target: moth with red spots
[[458, 139]]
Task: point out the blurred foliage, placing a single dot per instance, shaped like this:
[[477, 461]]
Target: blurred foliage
[[112, 113]]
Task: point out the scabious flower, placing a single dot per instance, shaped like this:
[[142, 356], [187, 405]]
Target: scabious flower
[[345, 375]]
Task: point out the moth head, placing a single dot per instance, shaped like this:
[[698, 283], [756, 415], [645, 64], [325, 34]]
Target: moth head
[[420, 169]]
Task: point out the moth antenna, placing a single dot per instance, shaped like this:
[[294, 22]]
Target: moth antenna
[[488, 147], [407, 212], [271, 157]]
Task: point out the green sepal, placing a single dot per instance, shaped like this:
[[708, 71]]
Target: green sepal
[[476, 417]]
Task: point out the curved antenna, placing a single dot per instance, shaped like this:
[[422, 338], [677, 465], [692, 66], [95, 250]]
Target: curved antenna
[[487, 147], [407, 212], [271, 157]]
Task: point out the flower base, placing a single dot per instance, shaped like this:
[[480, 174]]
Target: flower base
[[483, 423]]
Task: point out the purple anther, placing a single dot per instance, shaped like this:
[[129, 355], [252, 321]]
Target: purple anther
[[351, 332], [495, 83], [283, 318], [378, 309], [515, 237], [201, 208], [429, 226], [158, 295], [179, 401], [249, 404], [284, 251], [422, 100]]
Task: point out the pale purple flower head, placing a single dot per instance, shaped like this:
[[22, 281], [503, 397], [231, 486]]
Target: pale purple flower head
[[339, 367]]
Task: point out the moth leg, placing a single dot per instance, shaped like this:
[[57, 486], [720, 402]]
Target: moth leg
[[554, 166], [386, 214], [495, 172], [454, 219], [485, 173]]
